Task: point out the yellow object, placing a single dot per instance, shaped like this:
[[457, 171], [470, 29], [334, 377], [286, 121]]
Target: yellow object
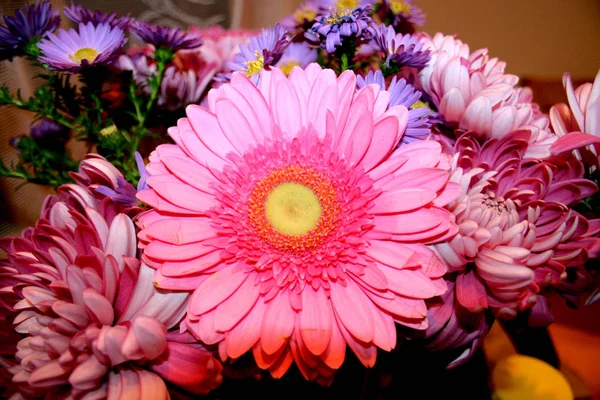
[[85, 53], [293, 209], [518, 377], [254, 67]]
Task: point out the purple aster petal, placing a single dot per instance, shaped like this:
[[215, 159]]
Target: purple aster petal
[[164, 36], [330, 31], [144, 175], [404, 94], [79, 14], [29, 23], [404, 50], [297, 54], [268, 45], [59, 50], [48, 132]]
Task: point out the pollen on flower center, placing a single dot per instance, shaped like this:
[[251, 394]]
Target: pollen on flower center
[[287, 67], [254, 67], [86, 53], [294, 208], [303, 14], [398, 6], [346, 4], [336, 16]]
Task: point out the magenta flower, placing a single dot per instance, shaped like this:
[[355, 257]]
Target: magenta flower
[[221, 45], [517, 232], [453, 329], [92, 322], [300, 231], [92, 45]]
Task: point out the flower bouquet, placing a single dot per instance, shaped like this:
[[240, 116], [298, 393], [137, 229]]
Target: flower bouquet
[[340, 198]]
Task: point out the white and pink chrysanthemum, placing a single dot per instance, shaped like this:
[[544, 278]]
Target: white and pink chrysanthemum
[[91, 323], [472, 93], [517, 232], [580, 117], [285, 210]]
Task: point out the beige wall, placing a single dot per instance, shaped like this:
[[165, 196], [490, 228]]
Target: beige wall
[[538, 38]]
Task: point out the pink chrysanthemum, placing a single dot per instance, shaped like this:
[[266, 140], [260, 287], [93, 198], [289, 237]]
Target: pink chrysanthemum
[[472, 93], [517, 231], [284, 209], [92, 323], [582, 115], [221, 45]]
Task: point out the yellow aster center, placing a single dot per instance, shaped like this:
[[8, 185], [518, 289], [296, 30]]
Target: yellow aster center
[[254, 67], [399, 6], [293, 209], [109, 130], [346, 4], [305, 14], [288, 66], [419, 104], [86, 53], [336, 17]]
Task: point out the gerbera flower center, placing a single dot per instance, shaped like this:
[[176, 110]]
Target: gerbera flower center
[[398, 6], [294, 208], [254, 67], [85, 53]]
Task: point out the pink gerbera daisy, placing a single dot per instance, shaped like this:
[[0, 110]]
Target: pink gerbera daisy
[[300, 231]]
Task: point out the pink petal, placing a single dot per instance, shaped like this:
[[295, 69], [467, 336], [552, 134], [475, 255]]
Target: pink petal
[[315, 320], [278, 323], [234, 308], [351, 307], [214, 290]]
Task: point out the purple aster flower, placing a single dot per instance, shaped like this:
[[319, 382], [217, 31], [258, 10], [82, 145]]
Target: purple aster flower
[[263, 51], [81, 15], [48, 132], [403, 14], [166, 37], [403, 93], [297, 54], [92, 45], [337, 27], [144, 175], [402, 50], [302, 18], [29, 23]]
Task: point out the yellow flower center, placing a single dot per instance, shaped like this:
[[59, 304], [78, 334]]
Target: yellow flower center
[[305, 14], [109, 130], [254, 67], [288, 66], [336, 17], [398, 6], [419, 104], [85, 53], [342, 5], [293, 209]]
